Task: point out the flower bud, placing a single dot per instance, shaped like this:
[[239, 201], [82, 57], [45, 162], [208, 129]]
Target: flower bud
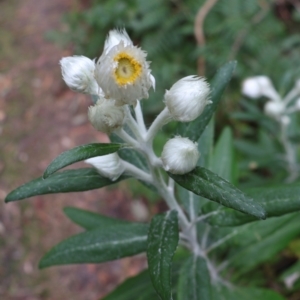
[[180, 155], [105, 116], [251, 88], [187, 98], [78, 74], [258, 86], [274, 109], [109, 166]]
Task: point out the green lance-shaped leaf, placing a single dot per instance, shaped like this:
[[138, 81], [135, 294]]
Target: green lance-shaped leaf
[[194, 129], [206, 144], [276, 201], [241, 293], [162, 242], [209, 185], [99, 245], [194, 280], [78, 154], [140, 286], [78, 180], [137, 287], [90, 220], [222, 158], [261, 250]]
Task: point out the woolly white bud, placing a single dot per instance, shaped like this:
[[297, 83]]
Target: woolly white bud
[[78, 74], [258, 86], [180, 155], [187, 98], [274, 109], [105, 116], [251, 88], [109, 166]]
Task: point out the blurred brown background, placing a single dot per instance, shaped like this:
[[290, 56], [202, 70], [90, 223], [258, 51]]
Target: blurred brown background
[[40, 118]]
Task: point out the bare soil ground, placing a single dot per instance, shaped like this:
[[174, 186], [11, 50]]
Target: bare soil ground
[[40, 118]]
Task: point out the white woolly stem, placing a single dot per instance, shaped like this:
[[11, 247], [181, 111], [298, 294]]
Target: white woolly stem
[[272, 94], [203, 217], [171, 201], [211, 268], [171, 185], [191, 208], [163, 118], [291, 110], [222, 266], [290, 154], [140, 118], [290, 96], [131, 122], [221, 241], [127, 138], [132, 170], [205, 237]]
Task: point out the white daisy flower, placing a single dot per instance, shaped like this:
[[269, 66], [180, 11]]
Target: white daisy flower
[[78, 74], [105, 116], [122, 70]]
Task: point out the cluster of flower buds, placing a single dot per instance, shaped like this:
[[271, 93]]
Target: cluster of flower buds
[[122, 77], [276, 107]]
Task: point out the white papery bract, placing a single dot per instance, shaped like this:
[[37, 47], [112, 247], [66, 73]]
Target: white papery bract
[[78, 74], [105, 116], [274, 109], [109, 166], [180, 155], [122, 71], [187, 98], [114, 37]]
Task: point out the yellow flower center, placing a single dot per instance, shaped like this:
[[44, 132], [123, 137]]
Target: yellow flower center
[[127, 70]]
